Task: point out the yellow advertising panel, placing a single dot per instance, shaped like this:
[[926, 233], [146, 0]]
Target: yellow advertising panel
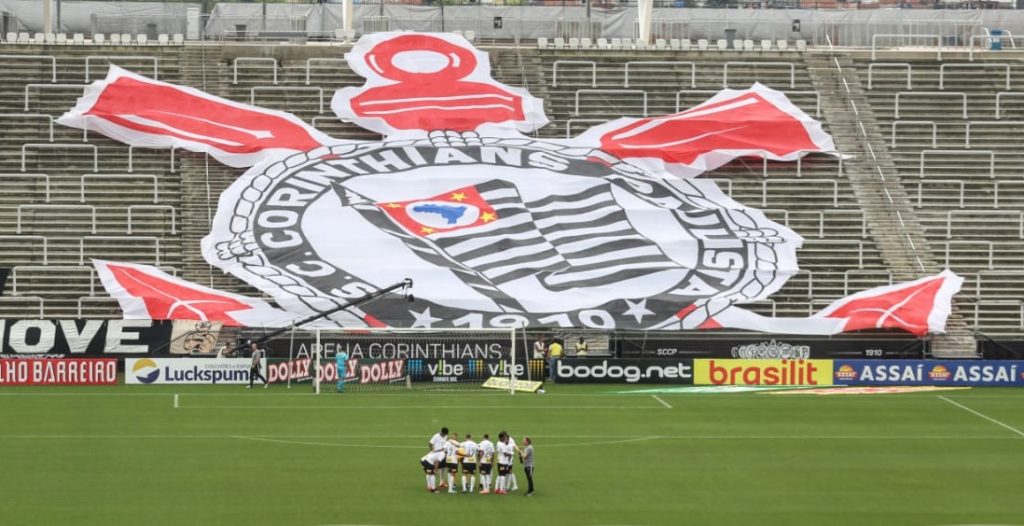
[[715, 371]]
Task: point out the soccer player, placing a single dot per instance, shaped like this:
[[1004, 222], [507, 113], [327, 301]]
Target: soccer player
[[436, 445], [451, 453], [469, 450], [486, 460], [505, 452], [511, 471], [429, 463]]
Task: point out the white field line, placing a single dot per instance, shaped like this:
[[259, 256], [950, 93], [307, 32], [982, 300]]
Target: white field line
[[327, 444], [456, 407], [664, 403], [986, 417]]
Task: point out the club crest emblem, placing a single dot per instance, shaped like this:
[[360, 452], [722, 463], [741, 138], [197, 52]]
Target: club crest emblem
[[497, 228]]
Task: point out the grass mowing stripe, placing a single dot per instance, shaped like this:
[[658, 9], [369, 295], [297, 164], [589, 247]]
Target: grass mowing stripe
[[986, 417], [621, 438]]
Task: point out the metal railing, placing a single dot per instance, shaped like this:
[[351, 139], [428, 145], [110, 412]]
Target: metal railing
[[322, 60], [591, 63], [999, 99], [962, 95], [174, 215], [319, 91], [894, 36], [119, 177], [47, 118], [802, 183], [642, 93], [951, 182], [996, 188], [45, 178], [645, 63], [30, 87], [110, 60], [51, 58], [873, 65], [950, 215], [942, 71], [55, 146], [30, 237], [790, 65], [935, 129], [131, 155], [234, 66], [991, 158]]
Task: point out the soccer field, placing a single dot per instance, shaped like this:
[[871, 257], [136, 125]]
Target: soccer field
[[126, 455]]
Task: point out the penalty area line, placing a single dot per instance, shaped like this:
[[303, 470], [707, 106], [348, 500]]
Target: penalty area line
[[986, 417], [662, 402]]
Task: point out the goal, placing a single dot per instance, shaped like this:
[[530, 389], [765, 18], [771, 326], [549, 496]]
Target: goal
[[390, 358]]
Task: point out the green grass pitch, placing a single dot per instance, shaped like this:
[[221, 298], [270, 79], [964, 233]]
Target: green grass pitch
[[126, 455]]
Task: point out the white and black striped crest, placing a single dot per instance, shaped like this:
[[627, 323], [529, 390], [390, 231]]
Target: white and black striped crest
[[497, 232]]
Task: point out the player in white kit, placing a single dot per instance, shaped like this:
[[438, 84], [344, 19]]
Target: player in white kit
[[451, 454], [436, 444], [505, 454], [468, 452], [486, 461], [512, 471], [429, 462]]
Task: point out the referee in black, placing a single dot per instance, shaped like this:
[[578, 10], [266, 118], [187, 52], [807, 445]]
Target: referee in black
[[526, 457]]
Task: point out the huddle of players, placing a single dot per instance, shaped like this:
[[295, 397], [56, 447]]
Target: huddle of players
[[447, 454]]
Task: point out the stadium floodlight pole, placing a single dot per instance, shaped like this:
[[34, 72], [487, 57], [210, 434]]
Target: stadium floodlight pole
[[405, 284]]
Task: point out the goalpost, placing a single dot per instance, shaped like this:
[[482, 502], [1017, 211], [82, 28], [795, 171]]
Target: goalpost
[[376, 359]]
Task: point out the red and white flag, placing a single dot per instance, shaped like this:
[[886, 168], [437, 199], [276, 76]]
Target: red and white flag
[[147, 293], [919, 307], [143, 112], [755, 122]]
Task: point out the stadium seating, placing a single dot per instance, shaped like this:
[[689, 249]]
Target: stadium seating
[[66, 196], [953, 127]]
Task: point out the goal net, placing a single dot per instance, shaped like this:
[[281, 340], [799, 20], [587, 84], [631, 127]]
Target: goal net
[[332, 360]]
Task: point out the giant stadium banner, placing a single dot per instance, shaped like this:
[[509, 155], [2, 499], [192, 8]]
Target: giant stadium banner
[[610, 229], [84, 337]]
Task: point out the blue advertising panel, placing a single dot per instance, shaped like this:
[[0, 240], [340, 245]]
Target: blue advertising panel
[[929, 372]]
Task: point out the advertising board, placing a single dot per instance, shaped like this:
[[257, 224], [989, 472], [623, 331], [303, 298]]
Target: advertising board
[[715, 371], [975, 373], [58, 371], [630, 371], [767, 347], [368, 371], [148, 371]]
